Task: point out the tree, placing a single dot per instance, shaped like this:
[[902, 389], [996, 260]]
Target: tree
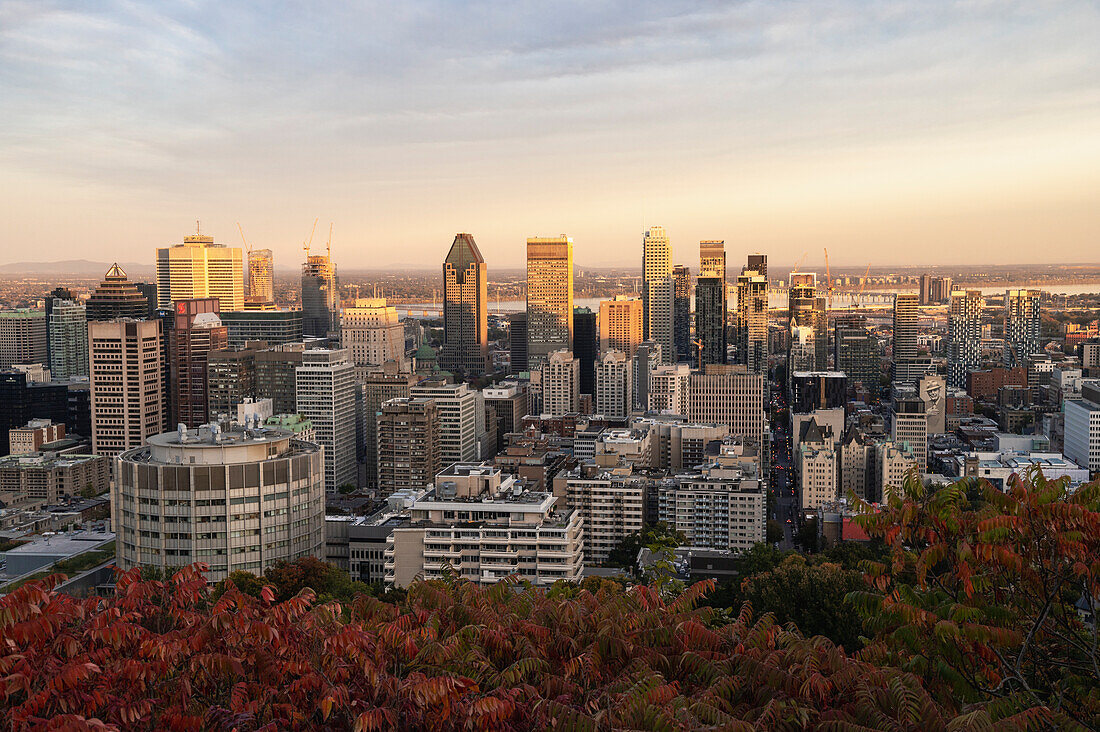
[[89, 490], [806, 536], [774, 532], [656, 537], [978, 599]]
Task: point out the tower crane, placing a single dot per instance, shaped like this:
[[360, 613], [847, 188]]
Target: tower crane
[[247, 246], [828, 280], [859, 297], [799, 262], [307, 244], [699, 344], [328, 246]]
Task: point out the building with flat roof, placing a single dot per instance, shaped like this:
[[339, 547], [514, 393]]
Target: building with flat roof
[[199, 268], [272, 326], [44, 478], [716, 508], [23, 337], [549, 297]]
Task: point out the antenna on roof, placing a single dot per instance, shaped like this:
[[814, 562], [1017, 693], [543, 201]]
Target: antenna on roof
[[197, 229]]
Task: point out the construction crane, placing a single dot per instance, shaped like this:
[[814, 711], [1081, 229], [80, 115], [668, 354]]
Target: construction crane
[[699, 344], [307, 244], [247, 246], [799, 262], [859, 297], [328, 246], [828, 280]]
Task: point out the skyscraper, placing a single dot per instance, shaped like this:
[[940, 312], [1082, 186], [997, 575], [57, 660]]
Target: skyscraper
[[465, 309], [586, 346], [758, 263], [710, 302], [964, 335], [196, 331], [325, 395], [461, 419], [1021, 322], [379, 386], [656, 265], [905, 327], [199, 268], [372, 334], [752, 319], [126, 363], [408, 444], [517, 342], [681, 313], [320, 295], [23, 337], [855, 351], [261, 276], [117, 297], [621, 324], [549, 297], [560, 384], [662, 294], [68, 340], [613, 391], [806, 311], [712, 259]]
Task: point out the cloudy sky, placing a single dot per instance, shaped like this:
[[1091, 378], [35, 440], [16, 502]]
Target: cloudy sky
[[900, 132]]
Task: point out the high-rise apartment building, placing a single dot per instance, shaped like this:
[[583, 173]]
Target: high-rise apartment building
[[325, 395], [276, 376], [855, 351], [23, 337], [621, 324], [372, 334], [712, 259], [681, 314], [660, 308], [610, 503], [549, 297], [758, 263], [719, 507], [461, 419], [68, 340], [560, 384], [808, 324], [656, 265], [199, 268], [752, 320], [408, 445], [195, 333], [236, 500], [669, 386], [964, 335], [517, 342], [905, 327], [125, 359], [261, 277], [729, 395], [710, 319], [910, 427], [465, 309], [647, 358], [117, 297], [379, 386], [586, 346], [508, 400], [230, 380], [1021, 323], [613, 391], [320, 295]]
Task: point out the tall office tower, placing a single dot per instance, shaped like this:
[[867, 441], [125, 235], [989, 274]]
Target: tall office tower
[[199, 268], [925, 293], [261, 276], [230, 380], [117, 297], [1021, 326], [277, 375], [613, 392], [68, 340], [910, 427], [662, 294], [586, 346], [939, 291], [712, 259], [806, 310], [647, 358], [23, 337], [125, 359], [262, 501], [621, 324], [656, 265], [561, 375], [517, 342], [149, 291], [729, 395], [905, 327], [964, 335], [408, 445], [758, 263], [465, 309], [855, 351], [320, 295], [549, 297], [379, 386], [710, 318], [196, 331], [373, 334], [681, 314], [461, 419], [752, 319], [271, 326], [325, 394]]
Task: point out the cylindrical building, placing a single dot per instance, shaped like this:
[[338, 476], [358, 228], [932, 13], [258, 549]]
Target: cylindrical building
[[241, 499]]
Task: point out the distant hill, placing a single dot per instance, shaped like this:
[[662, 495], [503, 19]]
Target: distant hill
[[76, 267]]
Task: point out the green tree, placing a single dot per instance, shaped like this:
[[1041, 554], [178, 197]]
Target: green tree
[[774, 532]]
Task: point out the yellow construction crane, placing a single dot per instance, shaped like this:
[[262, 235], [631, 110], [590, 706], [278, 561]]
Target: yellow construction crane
[[307, 244], [247, 246], [699, 344], [799, 262], [859, 297], [328, 246], [828, 280]]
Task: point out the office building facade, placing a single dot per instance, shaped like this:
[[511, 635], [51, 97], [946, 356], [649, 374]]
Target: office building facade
[[325, 395], [465, 309], [964, 335], [681, 314], [549, 297], [126, 361], [199, 268], [68, 340]]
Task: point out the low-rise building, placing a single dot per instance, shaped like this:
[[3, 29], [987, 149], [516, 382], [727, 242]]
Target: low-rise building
[[717, 508], [41, 479]]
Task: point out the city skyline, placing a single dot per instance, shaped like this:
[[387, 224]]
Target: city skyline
[[899, 133]]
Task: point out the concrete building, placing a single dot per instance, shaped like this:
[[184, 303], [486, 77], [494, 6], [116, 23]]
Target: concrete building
[[31, 436], [485, 526], [117, 297], [196, 332], [610, 502], [1082, 429], [659, 315], [461, 419], [23, 337], [910, 426], [276, 375], [677, 445], [372, 334], [893, 461], [320, 295], [855, 352], [752, 320], [717, 508], [856, 456], [812, 390], [932, 390], [230, 380], [1021, 326], [669, 387], [274, 327], [817, 468], [586, 346], [613, 391], [237, 500], [44, 479], [127, 388], [380, 385], [199, 268], [730, 395], [261, 276], [465, 309], [621, 324], [68, 340], [549, 297], [656, 265], [964, 345], [560, 384], [508, 400], [906, 309], [408, 445], [647, 358], [325, 395]]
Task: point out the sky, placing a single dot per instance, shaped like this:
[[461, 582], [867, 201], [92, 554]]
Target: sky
[[891, 132]]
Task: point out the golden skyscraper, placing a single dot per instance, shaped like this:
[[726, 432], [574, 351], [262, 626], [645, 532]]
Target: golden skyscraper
[[549, 297]]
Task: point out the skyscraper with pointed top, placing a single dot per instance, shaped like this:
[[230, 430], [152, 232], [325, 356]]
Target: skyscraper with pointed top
[[117, 297], [465, 308]]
